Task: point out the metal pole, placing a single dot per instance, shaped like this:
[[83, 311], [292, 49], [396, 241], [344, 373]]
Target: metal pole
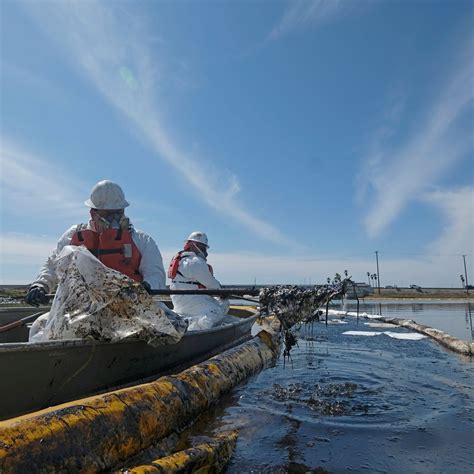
[[378, 275], [465, 274], [225, 292]]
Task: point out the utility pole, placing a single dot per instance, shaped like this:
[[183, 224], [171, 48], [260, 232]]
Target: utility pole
[[465, 274], [378, 274]]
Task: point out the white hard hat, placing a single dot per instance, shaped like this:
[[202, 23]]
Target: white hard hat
[[200, 237], [107, 195]]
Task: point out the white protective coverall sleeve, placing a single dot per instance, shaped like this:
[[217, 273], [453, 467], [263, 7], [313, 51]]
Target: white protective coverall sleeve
[[195, 268], [151, 264], [202, 311]]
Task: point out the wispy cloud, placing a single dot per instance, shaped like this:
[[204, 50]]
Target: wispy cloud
[[458, 209], [397, 175], [16, 248], [30, 182], [22, 254], [28, 79], [114, 51], [300, 13]]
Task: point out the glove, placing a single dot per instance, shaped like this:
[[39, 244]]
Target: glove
[[146, 286], [36, 295]]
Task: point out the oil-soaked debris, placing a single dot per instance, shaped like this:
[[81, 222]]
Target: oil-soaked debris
[[331, 399], [94, 301], [286, 393], [345, 390], [8, 300], [294, 305]]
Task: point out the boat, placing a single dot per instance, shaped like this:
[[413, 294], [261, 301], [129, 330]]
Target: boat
[[38, 375]]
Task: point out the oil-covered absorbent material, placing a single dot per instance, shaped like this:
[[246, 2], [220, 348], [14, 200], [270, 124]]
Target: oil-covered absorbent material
[[95, 301], [411, 336]]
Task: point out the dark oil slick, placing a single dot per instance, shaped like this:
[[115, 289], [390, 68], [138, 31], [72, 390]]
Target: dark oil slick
[[353, 404]]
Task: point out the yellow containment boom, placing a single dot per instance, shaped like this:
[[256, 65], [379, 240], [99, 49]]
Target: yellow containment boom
[[206, 457], [97, 433]]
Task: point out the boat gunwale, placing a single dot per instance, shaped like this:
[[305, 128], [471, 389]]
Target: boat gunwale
[[66, 343]]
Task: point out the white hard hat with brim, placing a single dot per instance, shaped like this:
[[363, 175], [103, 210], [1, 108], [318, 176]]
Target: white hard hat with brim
[[107, 195]]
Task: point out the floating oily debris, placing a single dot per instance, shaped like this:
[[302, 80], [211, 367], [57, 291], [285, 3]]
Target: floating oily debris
[[332, 399]]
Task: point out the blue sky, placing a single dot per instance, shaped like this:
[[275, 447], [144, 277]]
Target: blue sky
[[301, 136]]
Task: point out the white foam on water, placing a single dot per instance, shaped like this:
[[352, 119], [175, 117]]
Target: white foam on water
[[381, 325], [334, 321], [409, 336], [373, 316], [362, 333], [354, 313]]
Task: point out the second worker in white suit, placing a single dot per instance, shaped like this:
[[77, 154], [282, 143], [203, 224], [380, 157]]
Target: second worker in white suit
[[189, 270]]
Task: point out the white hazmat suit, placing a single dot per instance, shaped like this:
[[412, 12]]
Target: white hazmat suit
[[201, 311], [151, 266], [151, 263]]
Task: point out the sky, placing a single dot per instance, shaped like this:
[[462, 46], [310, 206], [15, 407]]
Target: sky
[[301, 135]]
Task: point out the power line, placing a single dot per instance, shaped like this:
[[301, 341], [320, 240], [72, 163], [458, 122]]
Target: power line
[[401, 254]]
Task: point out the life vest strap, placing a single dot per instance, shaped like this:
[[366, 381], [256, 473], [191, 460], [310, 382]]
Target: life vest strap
[[98, 252]]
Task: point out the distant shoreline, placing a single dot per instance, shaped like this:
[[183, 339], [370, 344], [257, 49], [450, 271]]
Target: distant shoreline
[[411, 297], [19, 291]]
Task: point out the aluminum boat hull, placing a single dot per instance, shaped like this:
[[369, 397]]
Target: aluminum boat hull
[[36, 376]]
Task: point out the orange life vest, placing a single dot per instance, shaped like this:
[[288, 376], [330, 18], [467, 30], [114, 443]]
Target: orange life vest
[[173, 270], [115, 248]]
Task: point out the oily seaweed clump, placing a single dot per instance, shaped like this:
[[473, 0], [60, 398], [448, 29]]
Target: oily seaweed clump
[[331, 399], [294, 305]]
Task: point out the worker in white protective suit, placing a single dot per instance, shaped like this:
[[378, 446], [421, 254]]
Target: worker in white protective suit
[[110, 236], [189, 270]]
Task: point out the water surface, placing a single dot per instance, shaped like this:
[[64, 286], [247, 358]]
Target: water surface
[[453, 317], [351, 403]]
